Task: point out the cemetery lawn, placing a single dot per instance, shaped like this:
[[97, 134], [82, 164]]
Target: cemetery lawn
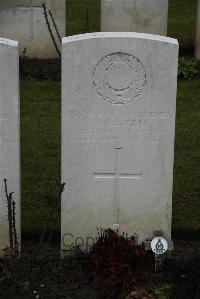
[[40, 139], [40, 152], [186, 203]]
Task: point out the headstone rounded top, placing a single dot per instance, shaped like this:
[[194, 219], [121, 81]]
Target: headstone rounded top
[[136, 35], [9, 42]]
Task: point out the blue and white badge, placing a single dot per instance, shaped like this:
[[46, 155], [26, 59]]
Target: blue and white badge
[[159, 245]]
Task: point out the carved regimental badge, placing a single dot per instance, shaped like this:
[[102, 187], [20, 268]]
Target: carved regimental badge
[[119, 78]]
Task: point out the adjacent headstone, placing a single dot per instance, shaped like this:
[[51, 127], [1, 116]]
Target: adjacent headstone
[[24, 20], [197, 48], [9, 138], [148, 16], [118, 122]]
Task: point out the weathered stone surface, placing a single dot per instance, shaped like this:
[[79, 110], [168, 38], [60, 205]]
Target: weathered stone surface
[[9, 138], [197, 48], [148, 16], [23, 20], [118, 121]]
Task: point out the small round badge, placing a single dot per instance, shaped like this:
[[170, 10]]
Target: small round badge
[[159, 245]]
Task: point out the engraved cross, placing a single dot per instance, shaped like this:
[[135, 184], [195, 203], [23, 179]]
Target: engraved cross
[[116, 176]]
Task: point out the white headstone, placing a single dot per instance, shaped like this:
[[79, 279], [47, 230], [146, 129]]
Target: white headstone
[[9, 138], [197, 48], [118, 122], [24, 20], [148, 16]]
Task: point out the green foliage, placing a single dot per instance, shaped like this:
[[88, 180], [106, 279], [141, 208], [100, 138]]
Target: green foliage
[[188, 69]]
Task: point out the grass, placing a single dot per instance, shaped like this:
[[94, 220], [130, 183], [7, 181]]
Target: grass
[[84, 16], [40, 127], [182, 23], [186, 209], [40, 138]]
